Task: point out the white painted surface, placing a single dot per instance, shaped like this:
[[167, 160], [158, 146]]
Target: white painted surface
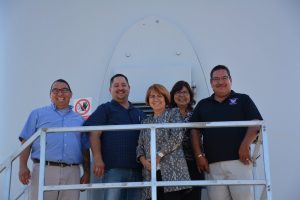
[[142, 77], [155, 51], [258, 40]]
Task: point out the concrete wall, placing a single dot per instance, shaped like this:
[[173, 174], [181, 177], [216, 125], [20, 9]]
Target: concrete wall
[[259, 40]]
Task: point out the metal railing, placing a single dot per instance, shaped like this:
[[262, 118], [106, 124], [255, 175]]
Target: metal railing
[[261, 141]]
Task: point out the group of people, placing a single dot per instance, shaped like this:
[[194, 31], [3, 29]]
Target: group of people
[[124, 156]]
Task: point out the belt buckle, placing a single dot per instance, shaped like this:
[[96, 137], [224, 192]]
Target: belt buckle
[[47, 163], [61, 164]]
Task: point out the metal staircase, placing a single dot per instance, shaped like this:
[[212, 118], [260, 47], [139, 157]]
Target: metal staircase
[[260, 151]]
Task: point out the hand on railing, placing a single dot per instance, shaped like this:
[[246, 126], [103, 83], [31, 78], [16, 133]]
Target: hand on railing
[[85, 179], [24, 175], [244, 150], [244, 154]]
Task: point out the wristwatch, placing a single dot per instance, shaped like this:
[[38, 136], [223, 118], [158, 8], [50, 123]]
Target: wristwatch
[[160, 154]]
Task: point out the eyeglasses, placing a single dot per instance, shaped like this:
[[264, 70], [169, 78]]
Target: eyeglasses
[[159, 96], [185, 93], [62, 90], [223, 78]]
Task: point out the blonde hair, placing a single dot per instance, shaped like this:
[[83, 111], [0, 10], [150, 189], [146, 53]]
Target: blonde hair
[[159, 89]]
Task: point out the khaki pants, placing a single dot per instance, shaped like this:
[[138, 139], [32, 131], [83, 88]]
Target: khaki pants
[[230, 170], [55, 175]]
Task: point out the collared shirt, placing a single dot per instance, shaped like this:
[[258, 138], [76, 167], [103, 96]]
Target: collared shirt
[[173, 166], [60, 147], [222, 144], [118, 147]]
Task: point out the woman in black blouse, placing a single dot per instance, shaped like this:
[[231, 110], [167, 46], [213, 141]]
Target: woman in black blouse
[[182, 97]]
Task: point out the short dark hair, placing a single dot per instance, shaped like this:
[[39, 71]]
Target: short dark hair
[[177, 87], [60, 81], [117, 75], [218, 67]]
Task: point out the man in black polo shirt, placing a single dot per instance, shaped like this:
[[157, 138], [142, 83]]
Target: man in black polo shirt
[[226, 151]]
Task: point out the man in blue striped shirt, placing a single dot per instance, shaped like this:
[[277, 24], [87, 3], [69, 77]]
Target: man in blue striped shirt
[[64, 151]]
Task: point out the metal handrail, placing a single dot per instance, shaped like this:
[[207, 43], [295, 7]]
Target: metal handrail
[[153, 183]]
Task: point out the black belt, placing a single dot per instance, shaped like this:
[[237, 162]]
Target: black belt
[[59, 164]]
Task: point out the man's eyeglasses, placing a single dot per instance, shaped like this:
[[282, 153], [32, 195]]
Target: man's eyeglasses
[[223, 78], [62, 90], [185, 93]]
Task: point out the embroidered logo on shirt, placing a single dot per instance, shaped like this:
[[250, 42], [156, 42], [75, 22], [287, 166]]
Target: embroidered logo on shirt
[[233, 101]]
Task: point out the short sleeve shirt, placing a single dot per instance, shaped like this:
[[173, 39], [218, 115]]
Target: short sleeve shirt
[[221, 144], [64, 147], [118, 147]]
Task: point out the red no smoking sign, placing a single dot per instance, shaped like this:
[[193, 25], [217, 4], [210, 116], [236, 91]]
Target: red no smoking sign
[[83, 106]]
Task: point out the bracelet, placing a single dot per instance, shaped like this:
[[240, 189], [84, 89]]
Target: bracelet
[[200, 155]]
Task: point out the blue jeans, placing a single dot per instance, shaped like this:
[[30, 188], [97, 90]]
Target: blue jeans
[[96, 194], [122, 175]]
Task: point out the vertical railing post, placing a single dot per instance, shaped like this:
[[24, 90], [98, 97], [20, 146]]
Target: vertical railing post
[[7, 185], [258, 143], [9, 177], [254, 157], [42, 164], [153, 163], [267, 163]]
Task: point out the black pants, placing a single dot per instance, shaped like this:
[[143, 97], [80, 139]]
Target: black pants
[[195, 193], [176, 195]]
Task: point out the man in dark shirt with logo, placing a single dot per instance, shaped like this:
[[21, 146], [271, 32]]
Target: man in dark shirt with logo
[[226, 151], [114, 152]]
